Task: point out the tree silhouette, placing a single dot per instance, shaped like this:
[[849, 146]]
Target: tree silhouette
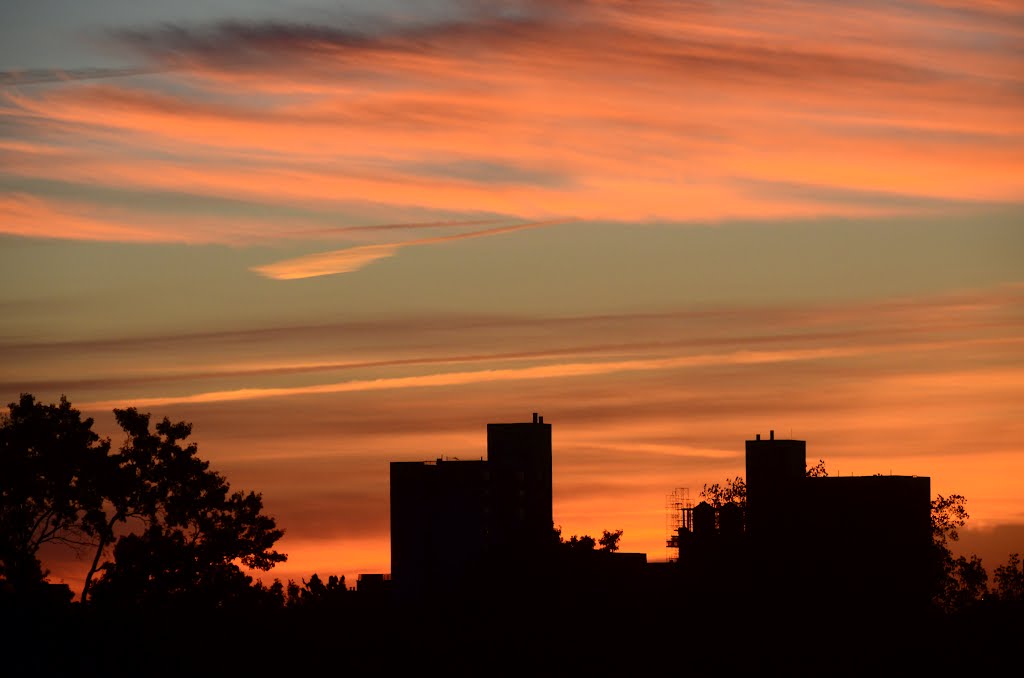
[[1009, 580], [176, 529], [959, 582], [197, 530], [949, 514], [818, 470], [733, 490], [50, 460], [317, 594], [609, 541], [584, 543]]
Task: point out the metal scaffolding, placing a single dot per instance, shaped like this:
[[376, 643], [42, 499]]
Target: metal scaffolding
[[678, 515]]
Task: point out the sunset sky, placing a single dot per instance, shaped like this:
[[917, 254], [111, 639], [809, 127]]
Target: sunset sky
[[337, 234]]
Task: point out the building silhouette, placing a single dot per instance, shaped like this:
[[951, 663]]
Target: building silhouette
[[462, 528], [453, 522], [835, 542]]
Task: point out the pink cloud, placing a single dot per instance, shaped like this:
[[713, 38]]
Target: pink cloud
[[695, 115]]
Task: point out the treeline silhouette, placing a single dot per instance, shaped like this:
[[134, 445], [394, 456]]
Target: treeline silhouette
[[165, 592]]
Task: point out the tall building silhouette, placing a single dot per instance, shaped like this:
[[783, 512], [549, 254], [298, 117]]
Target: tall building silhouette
[[519, 459], [471, 529], [452, 521]]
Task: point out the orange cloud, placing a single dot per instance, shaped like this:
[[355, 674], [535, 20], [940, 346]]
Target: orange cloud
[[773, 111], [926, 386], [463, 378], [327, 263], [661, 111], [354, 258], [28, 215], [621, 444], [570, 370], [360, 349]]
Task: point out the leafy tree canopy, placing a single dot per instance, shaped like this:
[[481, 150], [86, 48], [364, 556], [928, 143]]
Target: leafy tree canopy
[[609, 541], [197, 531], [175, 529], [733, 490], [51, 469], [1009, 580]]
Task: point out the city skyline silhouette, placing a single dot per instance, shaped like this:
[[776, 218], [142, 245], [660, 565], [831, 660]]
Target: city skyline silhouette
[[478, 558], [339, 236]]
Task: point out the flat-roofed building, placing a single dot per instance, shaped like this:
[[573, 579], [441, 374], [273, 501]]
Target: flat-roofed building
[[452, 519]]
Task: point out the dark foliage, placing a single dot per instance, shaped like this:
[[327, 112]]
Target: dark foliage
[[197, 531], [52, 471], [732, 491], [961, 582], [1009, 580], [177, 533], [168, 596]]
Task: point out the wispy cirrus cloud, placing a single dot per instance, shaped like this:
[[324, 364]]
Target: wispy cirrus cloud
[[557, 371], [641, 402], [409, 226], [701, 112], [355, 258], [1004, 381], [465, 120], [328, 263], [37, 76], [357, 347], [28, 215], [971, 331]]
